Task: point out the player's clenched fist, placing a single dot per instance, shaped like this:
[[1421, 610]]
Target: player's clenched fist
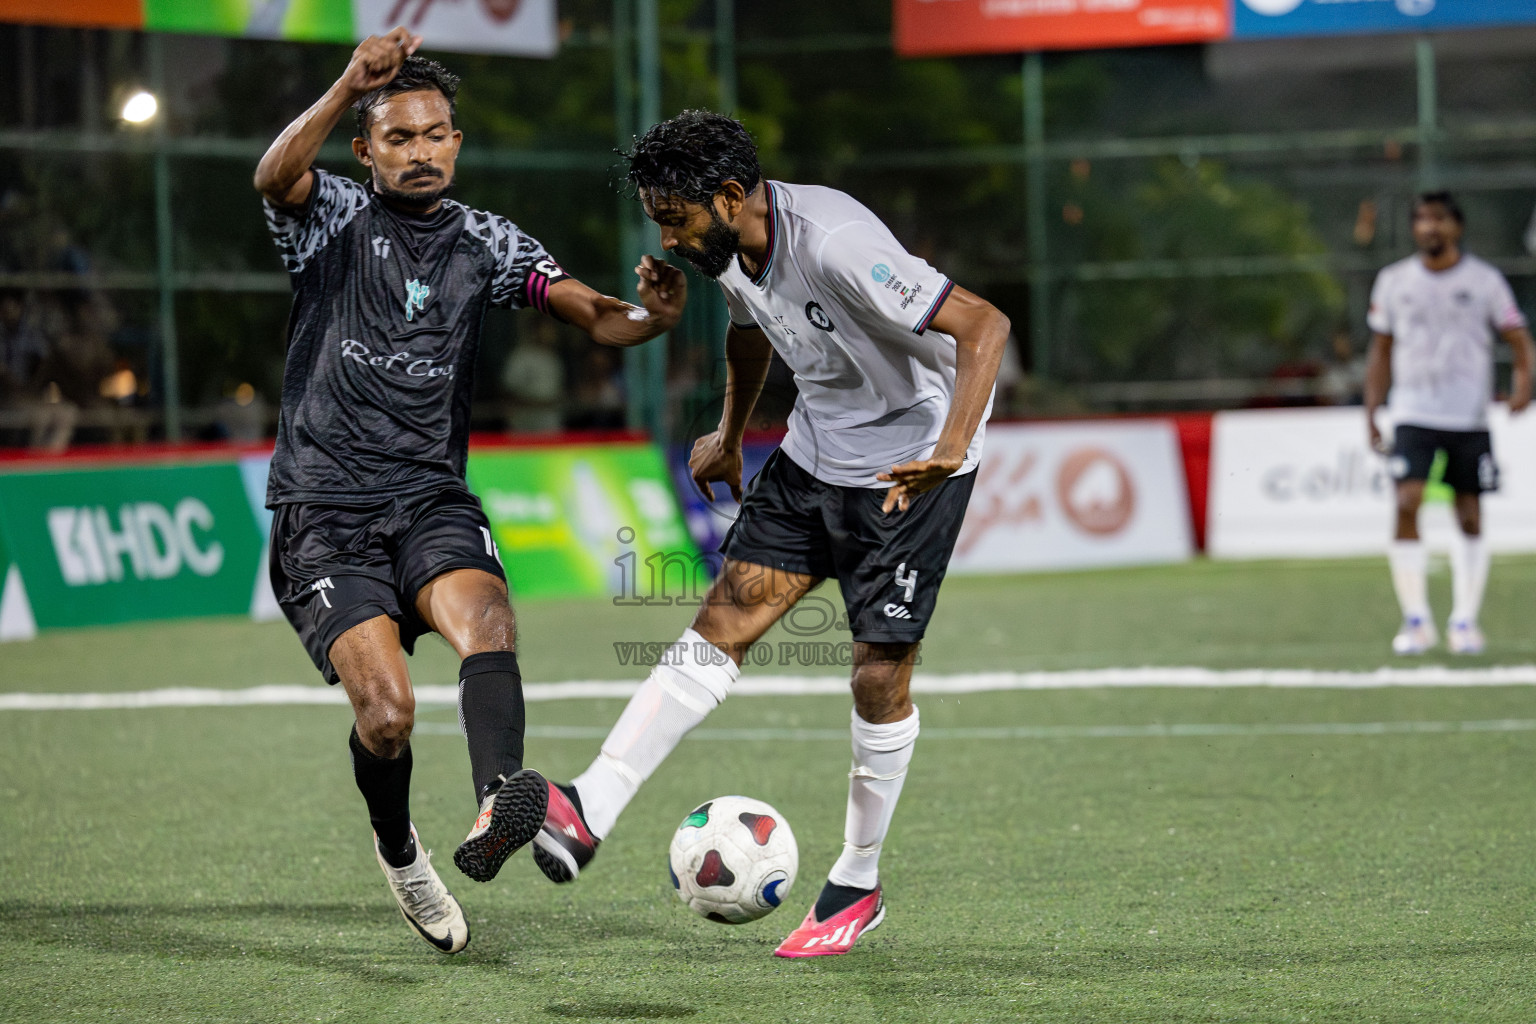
[[377, 60]]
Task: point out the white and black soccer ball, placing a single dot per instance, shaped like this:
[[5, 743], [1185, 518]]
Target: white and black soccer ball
[[733, 860]]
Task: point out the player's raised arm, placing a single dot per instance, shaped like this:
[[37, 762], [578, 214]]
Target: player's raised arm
[[980, 331], [1523, 356], [283, 175], [663, 291], [1378, 379]]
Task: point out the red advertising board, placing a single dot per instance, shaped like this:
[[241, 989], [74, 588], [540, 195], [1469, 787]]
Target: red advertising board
[[96, 13], [932, 28]]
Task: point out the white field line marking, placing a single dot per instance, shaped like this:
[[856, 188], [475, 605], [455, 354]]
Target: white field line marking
[[790, 686], [1045, 732]]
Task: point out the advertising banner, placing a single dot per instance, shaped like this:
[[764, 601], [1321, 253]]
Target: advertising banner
[[1255, 19], [1077, 495], [582, 520], [932, 28], [523, 27], [89, 547], [1303, 483]]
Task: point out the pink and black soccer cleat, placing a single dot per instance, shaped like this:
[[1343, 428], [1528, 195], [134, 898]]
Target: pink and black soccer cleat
[[836, 934], [564, 845]]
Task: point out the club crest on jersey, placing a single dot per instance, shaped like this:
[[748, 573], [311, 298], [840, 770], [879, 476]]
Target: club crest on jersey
[[415, 297], [818, 317]]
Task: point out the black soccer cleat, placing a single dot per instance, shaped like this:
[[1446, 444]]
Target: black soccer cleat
[[564, 845], [509, 817]]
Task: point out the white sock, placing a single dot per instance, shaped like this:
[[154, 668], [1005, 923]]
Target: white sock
[[1469, 575], [1410, 566], [690, 682], [881, 754]]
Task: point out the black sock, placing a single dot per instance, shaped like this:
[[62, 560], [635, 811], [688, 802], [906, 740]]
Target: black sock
[[386, 786], [491, 713], [835, 899]]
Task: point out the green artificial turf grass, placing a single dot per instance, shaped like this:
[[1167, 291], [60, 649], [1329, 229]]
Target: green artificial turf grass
[[1322, 614], [213, 865]]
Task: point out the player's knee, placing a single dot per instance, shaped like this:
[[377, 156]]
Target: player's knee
[[881, 677], [385, 721]]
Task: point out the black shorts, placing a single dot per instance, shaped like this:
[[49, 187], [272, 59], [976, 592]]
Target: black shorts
[[1469, 465], [333, 567], [889, 566]]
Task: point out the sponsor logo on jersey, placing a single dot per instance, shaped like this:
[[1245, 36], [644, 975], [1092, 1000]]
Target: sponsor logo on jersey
[[381, 250], [908, 293], [406, 362], [880, 272], [415, 297], [818, 317], [156, 541]]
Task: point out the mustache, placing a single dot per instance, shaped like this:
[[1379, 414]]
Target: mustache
[[424, 172]]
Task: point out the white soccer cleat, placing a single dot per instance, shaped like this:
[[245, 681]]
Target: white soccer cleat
[[1416, 636], [1464, 637], [425, 900]]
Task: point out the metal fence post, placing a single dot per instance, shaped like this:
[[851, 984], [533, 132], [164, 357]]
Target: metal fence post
[[1035, 200], [1429, 114], [165, 241], [645, 366]]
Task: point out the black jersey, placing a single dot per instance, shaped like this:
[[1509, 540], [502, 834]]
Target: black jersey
[[382, 339]]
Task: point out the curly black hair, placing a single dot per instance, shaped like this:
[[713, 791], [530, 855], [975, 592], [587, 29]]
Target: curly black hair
[[692, 156], [415, 74]]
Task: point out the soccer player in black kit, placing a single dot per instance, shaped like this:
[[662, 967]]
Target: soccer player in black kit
[[376, 539]]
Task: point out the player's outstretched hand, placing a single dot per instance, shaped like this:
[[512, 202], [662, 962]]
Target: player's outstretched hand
[[712, 459], [377, 60], [663, 288], [913, 478], [1378, 445]]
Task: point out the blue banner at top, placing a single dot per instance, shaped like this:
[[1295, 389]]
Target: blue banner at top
[[1256, 19]]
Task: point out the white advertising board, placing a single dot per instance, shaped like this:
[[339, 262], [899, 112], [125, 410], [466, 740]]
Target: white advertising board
[[1303, 483], [524, 27], [1076, 495]]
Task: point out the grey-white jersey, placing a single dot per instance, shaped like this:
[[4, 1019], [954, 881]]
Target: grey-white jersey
[[1443, 325], [848, 309]]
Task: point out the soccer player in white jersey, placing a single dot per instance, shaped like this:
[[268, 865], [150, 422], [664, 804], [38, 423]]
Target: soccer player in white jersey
[[1434, 316], [895, 366]]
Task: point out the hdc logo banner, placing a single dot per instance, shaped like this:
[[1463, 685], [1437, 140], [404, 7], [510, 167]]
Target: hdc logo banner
[[117, 545]]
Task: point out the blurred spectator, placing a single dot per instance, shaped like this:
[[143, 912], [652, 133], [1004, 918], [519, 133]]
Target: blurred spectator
[[598, 402], [242, 415], [1010, 380], [534, 375], [22, 346], [1343, 380]]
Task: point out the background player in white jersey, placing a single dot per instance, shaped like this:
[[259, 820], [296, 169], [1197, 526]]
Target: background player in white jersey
[[1434, 316], [894, 366]]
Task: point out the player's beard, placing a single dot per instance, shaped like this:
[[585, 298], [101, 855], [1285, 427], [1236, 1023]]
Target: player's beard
[[716, 249], [416, 199]]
